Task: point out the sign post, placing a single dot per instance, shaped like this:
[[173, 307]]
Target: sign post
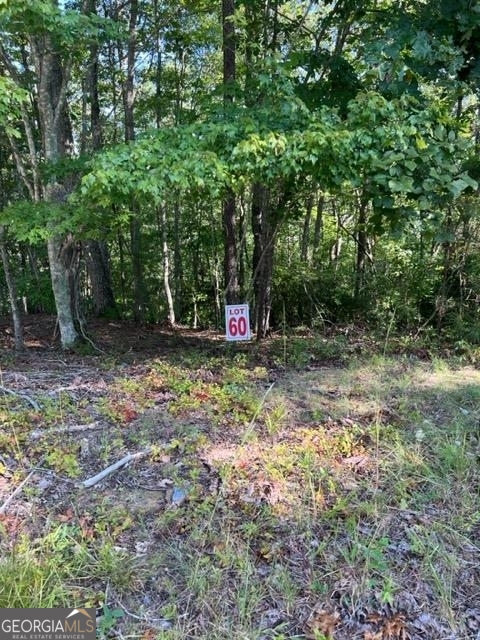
[[237, 322]]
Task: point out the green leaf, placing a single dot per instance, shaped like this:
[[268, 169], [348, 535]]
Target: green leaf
[[459, 185]]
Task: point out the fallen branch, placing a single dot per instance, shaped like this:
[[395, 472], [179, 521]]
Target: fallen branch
[[72, 387], [113, 467], [4, 506], [21, 395], [159, 623], [40, 433]]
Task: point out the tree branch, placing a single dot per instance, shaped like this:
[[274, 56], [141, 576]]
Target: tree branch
[[113, 467], [22, 172]]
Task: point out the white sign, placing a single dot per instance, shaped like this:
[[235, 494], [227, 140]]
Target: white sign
[[237, 322]]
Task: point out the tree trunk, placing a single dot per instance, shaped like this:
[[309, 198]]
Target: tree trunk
[[121, 258], [178, 284], [336, 248], [98, 267], [230, 265], [362, 250], [97, 258], [12, 294], [263, 252], [242, 249], [305, 240], [441, 304], [96, 130], [128, 95], [136, 249], [166, 266], [52, 80], [61, 292], [318, 231]]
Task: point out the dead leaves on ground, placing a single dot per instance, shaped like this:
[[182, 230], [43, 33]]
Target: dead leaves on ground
[[324, 622], [388, 627]]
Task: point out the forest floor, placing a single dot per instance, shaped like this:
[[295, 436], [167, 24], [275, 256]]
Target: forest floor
[[314, 486]]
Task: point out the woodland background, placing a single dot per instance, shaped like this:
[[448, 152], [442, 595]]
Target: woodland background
[[315, 159]]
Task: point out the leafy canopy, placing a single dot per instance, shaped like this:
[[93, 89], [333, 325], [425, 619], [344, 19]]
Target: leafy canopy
[[394, 150]]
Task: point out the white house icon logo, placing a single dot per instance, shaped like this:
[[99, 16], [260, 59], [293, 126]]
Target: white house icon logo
[[82, 611]]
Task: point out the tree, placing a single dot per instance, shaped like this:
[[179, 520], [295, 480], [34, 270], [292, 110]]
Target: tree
[[97, 253], [51, 80], [11, 105], [232, 287]]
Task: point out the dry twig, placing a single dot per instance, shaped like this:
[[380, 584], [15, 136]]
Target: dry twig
[[18, 489], [40, 433], [113, 467]]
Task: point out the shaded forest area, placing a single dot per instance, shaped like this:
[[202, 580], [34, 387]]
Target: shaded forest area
[[315, 159]]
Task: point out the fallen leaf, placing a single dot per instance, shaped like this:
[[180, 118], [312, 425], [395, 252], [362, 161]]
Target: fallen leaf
[[394, 627], [67, 516], [86, 527], [322, 621], [356, 461], [10, 524]]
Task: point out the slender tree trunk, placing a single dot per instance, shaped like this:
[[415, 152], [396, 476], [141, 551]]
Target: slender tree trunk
[[97, 255], [447, 272], [318, 231], [264, 295], [263, 253], [128, 94], [362, 249], [136, 250], [230, 266], [336, 248], [166, 266], [257, 32], [12, 295], [305, 240], [96, 130], [98, 267], [242, 250], [121, 256], [178, 284]]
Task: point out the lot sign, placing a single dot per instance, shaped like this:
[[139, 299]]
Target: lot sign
[[237, 322]]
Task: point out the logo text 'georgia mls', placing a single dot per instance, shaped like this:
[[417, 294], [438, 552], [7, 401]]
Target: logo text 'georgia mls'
[[47, 624]]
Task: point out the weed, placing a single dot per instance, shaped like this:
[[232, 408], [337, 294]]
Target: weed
[[114, 565], [111, 520], [274, 419], [64, 461], [108, 621]]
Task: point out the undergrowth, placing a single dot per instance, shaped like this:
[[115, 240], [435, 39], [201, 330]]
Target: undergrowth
[[312, 491]]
